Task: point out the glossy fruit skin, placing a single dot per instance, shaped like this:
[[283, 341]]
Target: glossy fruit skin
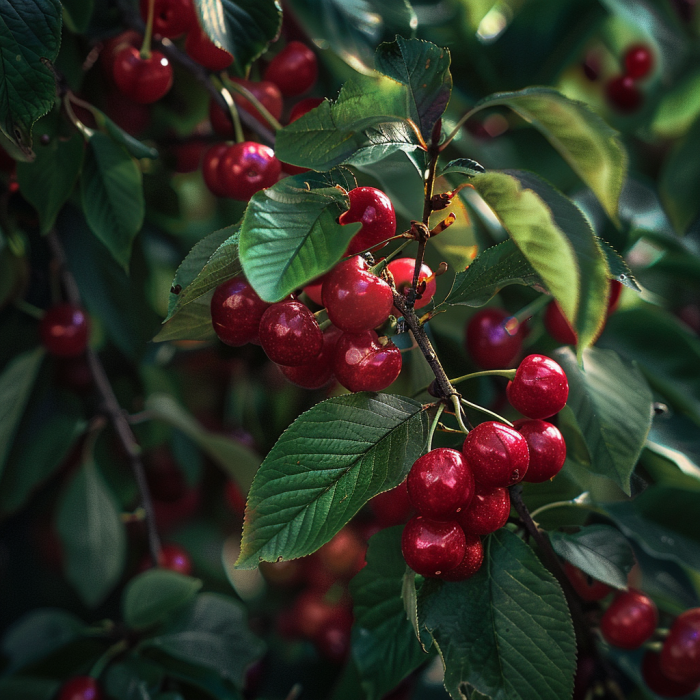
[[289, 334], [175, 558], [487, 512], [557, 326], [319, 371], [431, 547], [586, 587], [540, 387], [374, 210], [440, 484], [402, 270], [639, 61], [247, 168], [659, 683], [497, 454], [630, 620], [623, 94], [236, 311], [201, 49], [356, 300], [680, 654], [210, 169], [470, 564], [392, 507], [143, 80], [314, 290], [304, 106], [488, 342], [294, 69], [362, 363], [171, 18], [546, 446], [64, 330], [80, 688]]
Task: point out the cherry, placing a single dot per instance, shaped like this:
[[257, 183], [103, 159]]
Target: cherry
[[332, 641], [268, 95], [294, 69], [488, 511], [312, 610], [114, 46], [319, 371], [470, 564], [188, 156], [392, 507], [374, 210], [303, 107], [236, 311], [344, 555], [546, 447], [630, 620], [440, 484], [557, 326], [680, 654], [80, 688], [171, 18], [540, 387], [364, 363], [639, 60], [283, 574], [313, 290], [210, 169], [402, 270], [356, 299], [175, 558], [587, 587], [246, 168], [623, 94], [235, 498], [659, 683], [488, 342], [497, 454], [289, 334], [431, 547], [143, 80], [200, 48], [64, 330]]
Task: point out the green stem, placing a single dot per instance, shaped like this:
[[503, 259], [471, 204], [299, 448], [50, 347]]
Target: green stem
[[146, 45], [101, 664], [29, 309], [507, 373], [581, 501], [434, 426], [459, 125], [458, 413], [256, 103], [235, 117], [531, 309], [481, 409]]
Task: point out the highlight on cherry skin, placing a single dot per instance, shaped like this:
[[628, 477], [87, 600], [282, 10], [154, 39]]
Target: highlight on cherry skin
[[540, 387], [374, 210]]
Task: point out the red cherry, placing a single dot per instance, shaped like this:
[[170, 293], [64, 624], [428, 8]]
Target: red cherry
[[440, 484], [356, 299], [175, 558], [546, 447], [284, 574], [402, 270], [290, 335], [488, 342], [680, 654], [267, 94], [171, 18], [374, 210], [64, 330], [497, 454], [210, 169], [304, 106], [639, 60], [143, 80], [294, 69], [80, 688], [313, 290], [362, 363], [659, 683], [623, 94], [319, 371], [392, 507], [470, 564], [587, 587], [431, 547], [630, 620], [488, 511], [236, 311], [247, 168], [344, 555], [557, 326], [114, 46], [235, 498], [333, 640], [202, 49], [311, 611], [614, 296], [540, 387]]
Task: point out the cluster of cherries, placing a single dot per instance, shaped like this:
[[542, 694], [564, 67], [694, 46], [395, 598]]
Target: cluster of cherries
[[460, 496]]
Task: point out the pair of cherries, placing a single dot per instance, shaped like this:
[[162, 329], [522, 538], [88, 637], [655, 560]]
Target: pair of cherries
[[622, 91]]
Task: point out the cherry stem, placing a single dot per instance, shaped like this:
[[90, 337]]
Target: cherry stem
[[376, 269], [455, 398], [146, 46], [508, 373], [84, 130], [528, 311], [579, 501], [29, 309], [235, 116], [457, 128], [101, 664], [434, 426], [481, 409], [255, 102]]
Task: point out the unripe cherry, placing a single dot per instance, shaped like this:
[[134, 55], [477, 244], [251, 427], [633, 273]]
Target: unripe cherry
[[470, 564], [487, 512], [546, 446], [289, 334], [236, 311], [431, 547], [402, 270], [374, 210], [630, 620], [363, 363], [540, 387]]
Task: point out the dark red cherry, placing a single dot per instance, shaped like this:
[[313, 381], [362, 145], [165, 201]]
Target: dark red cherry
[[546, 447], [431, 547], [659, 683], [587, 587], [175, 558], [210, 169], [333, 640], [623, 94], [247, 168], [470, 564], [392, 507], [236, 311], [497, 454], [142, 80], [80, 688], [614, 296], [313, 290], [202, 49], [402, 270], [374, 210], [290, 335], [680, 654], [294, 69], [355, 298], [304, 106], [171, 18], [557, 326], [319, 371], [639, 60], [488, 511], [364, 363], [630, 620], [488, 342], [188, 156], [540, 387], [64, 330]]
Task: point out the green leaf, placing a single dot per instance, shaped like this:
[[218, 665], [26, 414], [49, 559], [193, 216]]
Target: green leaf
[[678, 107], [324, 468], [133, 678], [463, 166], [112, 196], [26, 688], [612, 406], [135, 147], [619, 269], [92, 534], [584, 140], [384, 646], [77, 14], [244, 28], [290, 234], [506, 632], [16, 382], [30, 34], [192, 322], [599, 551], [494, 268], [154, 595]]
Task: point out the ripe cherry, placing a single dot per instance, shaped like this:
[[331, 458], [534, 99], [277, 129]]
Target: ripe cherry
[[246, 168], [142, 80], [630, 620], [639, 60], [175, 558], [294, 69], [587, 587], [64, 330], [171, 18], [314, 289], [312, 610], [557, 326], [540, 387], [304, 106], [392, 507], [470, 564], [623, 94], [333, 640], [235, 498], [236, 311], [488, 342], [210, 169], [319, 371], [289, 334], [680, 654], [364, 363], [80, 688], [202, 49], [374, 210], [114, 46], [488, 511], [431, 547], [402, 270], [497, 454], [355, 298], [546, 447], [658, 682], [440, 484], [344, 555]]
